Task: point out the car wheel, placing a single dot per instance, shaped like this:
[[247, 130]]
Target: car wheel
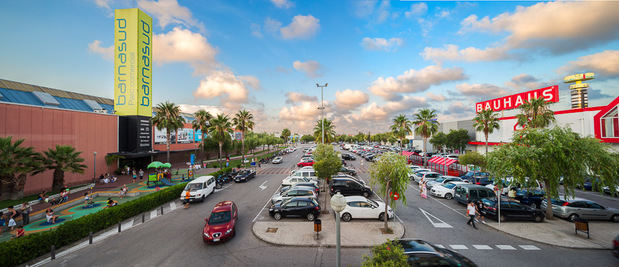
[[448, 196], [539, 218], [572, 217], [277, 216], [310, 216], [615, 218], [381, 216], [346, 217], [202, 199], [366, 194]]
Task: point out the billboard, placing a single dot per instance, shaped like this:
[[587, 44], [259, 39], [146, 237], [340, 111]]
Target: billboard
[[550, 94], [132, 62]]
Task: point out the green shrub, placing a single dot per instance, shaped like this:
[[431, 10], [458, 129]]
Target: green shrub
[[21, 250], [388, 254]]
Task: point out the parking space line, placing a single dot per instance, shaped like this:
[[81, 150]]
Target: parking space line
[[265, 205], [529, 247], [482, 247], [458, 212], [458, 247], [505, 247], [440, 224]]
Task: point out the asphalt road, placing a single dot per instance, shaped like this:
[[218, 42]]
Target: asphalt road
[[175, 238]]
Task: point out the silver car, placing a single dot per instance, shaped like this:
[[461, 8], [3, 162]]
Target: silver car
[[576, 208], [301, 191]]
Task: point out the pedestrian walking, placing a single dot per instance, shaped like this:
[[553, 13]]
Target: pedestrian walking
[[25, 213], [470, 211], [141, 174], [135, 176], [478, 206]]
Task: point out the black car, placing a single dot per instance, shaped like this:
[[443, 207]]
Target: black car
[[348, 157], [532, 198], [244, 176], [511, 210], [348, 171], [349, 187], [422, 253], [296, 207]]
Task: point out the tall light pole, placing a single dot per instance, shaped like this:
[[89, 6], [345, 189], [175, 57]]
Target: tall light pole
[[322, 110], [338, 203]]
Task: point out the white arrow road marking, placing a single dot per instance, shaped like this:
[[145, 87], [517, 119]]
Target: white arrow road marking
[[440, 224], [262, 186]]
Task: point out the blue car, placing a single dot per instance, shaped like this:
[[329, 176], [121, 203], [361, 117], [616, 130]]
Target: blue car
[[471, 174], [532, 198]]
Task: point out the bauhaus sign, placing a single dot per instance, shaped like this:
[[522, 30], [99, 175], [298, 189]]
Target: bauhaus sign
[[550, 94], [133, 49]]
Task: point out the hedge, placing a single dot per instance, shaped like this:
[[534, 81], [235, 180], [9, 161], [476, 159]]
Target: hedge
[[23, 249]]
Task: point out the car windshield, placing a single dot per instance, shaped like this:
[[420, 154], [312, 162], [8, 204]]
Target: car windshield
[[449, 186], [219, 217], [440, 180], [193, 187]]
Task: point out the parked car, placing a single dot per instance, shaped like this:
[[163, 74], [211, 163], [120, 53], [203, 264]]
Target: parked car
[[426, 176], [305, 162], [470, 174], [277, 160], [532, 198], [442, 180], [244, 176], [349, 187], [308, 184], [511, 210], [573, 209], [445, 190], [292, 180], [295, 191], [199, 188], [464, 193], [359, 207], [606, 190], [348, 157], [422, 253], [348, 171], [307, 171], [221, 224], [418, 173], [296, 207]]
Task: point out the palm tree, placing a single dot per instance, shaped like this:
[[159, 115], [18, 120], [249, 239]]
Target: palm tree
[[16, 163], [400, 127], [243, 121], [220, 128], [426, 123], [535, 114], [63, 159], [285, 134], [486, 121], [201, 122], [168, 116], [329, 131]]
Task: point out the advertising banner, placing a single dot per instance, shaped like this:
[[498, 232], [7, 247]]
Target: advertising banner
[[238, 135], [160, 136], [185, 135], [550, 95]]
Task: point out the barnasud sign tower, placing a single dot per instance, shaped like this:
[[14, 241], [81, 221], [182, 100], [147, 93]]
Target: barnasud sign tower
[[133, 90]]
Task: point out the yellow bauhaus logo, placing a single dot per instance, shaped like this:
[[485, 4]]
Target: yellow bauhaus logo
[[133, 61]]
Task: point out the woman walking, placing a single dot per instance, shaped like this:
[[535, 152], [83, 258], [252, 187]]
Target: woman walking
[[25, 213]]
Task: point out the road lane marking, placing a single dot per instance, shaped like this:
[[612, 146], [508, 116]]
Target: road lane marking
[[265, 205], [482, 247], [440, 224], [222, 189], [529, 247], [440, 246], [442, 203], [262, 186], [505, 247], [458, 247]]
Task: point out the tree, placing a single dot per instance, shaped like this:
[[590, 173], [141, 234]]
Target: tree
[[200, 122], [285, 134], [329, 131], [306, 138], [426, 123], [243, 121], [111, 159], [535, 114], [552, 156], [439, 140], [326, 164], [473, 158], [390, 174], [63, 159], [401, 127], [486, 121], [388, 254], [168, 116], [220, 129], [457, 139], [16, 163]]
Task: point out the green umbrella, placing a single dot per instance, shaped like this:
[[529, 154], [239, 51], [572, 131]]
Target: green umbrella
[[155, 164], [166, 165]]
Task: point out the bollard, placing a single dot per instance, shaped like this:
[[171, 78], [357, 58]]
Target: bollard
[[161, 210], [90, 238], [119, 227], [53, 252], [142, 217]]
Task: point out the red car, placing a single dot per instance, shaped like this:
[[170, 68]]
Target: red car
[[221, 224], [304, 163]]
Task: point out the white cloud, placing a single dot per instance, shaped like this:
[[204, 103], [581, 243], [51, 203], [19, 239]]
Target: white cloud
[[305, 111], [251, 81], [103, 3], [301, 27], [605, 63], [481, 90], [524, 81], [443, 14], [182, 45], [311, 68], [169, 12], [383, 11], [436, 97], [271, 25], [417, 9], [364, 8], [373, 112], [412, 81], [294, 97], [381, 43], [105, 52], [558, 27], [452, 52], [255, 30], [282, 3], [350, 99], [406, 103], [226, 85], [189, 108]]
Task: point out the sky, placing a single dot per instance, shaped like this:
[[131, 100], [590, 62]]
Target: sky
[[379, 58]]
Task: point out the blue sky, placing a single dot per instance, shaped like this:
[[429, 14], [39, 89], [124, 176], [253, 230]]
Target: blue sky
[[380, 58]]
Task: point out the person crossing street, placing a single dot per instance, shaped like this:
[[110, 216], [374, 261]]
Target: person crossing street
[[471, 211]]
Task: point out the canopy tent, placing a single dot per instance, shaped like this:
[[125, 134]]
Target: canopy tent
[[449, 161], [155, 164], [434, 159], [166, 165]]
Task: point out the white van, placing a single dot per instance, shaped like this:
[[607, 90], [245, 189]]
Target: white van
[[307, 172], [199, 188]]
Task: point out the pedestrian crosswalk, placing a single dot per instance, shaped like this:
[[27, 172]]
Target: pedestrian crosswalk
[[488, 247], [273, 170]]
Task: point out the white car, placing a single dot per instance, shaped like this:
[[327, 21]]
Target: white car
[[277, 160], [445, 190], [443, 180], [359, 207], [199, 188], [418, 173], [427, 176], [291, 180]]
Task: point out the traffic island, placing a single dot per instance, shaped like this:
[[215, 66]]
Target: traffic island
[[300, 232]]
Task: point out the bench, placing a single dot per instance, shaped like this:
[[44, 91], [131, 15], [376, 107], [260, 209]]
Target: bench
[[581, 226]]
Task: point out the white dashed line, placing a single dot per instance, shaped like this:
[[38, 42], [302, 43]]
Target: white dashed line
[[529, 247], [482, 247], [505, 247], [440, 246], [458, 247]]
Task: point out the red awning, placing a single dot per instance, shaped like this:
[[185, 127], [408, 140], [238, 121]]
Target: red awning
[[407, 153], [449, 162], [434, 159], [441, 161]]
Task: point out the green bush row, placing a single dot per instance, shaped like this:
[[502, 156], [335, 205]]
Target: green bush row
[[21, 250]]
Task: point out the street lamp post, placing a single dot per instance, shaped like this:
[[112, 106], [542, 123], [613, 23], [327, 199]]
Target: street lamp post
[[338, 203], [322, 110], [94, 169]]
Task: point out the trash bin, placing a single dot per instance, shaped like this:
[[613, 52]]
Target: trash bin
[[317, 225]]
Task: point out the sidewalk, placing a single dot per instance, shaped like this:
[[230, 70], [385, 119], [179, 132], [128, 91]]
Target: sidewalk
[[560, 233]]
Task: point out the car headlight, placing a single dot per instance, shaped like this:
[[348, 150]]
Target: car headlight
[[205, 234], [229, 230]]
